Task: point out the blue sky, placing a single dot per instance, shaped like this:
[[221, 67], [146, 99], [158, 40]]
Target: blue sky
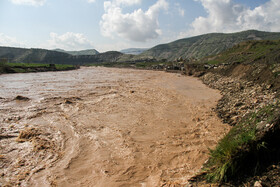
[[119, 24]]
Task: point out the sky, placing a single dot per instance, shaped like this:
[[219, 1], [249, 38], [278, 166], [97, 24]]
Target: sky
[[121, 24]]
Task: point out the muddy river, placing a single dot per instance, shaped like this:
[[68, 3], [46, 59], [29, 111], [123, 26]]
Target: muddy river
[[105, 127]]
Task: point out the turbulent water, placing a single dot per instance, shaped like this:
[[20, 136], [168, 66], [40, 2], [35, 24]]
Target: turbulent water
[[105, 127]]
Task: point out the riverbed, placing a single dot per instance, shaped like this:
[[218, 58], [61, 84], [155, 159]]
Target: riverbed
[[105, 127]]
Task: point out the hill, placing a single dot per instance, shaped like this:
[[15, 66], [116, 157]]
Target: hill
[[31, 55], [256, 61], [249, 52], [109, 56], [78, 53], [22, 55], [195, 47], [28, 67], [248, 76], [205, 45]]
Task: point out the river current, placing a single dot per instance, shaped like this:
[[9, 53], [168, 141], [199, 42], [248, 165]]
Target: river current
[[105, 127]]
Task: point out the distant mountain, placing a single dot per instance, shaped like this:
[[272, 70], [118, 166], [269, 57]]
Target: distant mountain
[[78, 53], [133, 51], [205, 45], [31, 55], [23, 55], [109, 56], [194, 47]]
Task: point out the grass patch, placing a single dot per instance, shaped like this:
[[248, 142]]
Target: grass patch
[[26, 65], [213, 62], [247, 52], [230, 158], [32, 67]]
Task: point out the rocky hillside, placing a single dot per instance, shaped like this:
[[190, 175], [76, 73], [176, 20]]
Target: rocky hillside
[[22, 55], [248, 76], [257, 61], [205, 45], [30, 55], [189, 48], [110, 56], [78, 53]]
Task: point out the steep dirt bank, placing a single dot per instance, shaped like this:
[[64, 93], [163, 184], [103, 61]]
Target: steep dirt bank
[[105, 127]]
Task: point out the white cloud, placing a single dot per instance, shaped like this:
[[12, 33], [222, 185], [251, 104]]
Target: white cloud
[[179, 9], [91, 1], [228, 16], [127, 2], [181, 12], [136, 26], [68, 41], [9, 41], [29, 2]]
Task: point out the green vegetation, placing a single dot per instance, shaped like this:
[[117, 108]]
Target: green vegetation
[[6, 67], [189, 48], [248, 52], [252, 145], [230, 158], [205, 45], [30, 65], [79, 53], [256, 61]]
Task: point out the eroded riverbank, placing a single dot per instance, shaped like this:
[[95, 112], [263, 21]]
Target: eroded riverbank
[[105, 127]]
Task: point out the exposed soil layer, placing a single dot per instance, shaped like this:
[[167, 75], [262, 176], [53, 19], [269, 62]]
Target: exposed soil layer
[[105, 127]]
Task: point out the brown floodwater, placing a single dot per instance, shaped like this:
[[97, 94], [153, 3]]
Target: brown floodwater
[[105, 127]]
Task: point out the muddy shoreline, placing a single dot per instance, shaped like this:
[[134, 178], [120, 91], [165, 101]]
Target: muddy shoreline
[[130, 127]]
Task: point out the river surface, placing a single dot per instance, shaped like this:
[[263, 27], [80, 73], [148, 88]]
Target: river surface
[[105, 127]]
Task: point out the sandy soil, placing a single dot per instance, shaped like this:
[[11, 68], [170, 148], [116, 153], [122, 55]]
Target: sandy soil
[[105, 127]]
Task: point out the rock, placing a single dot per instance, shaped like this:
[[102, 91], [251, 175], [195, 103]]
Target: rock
[[261, 126], [268, 86], [239, 96], [244, 107], [234, 119], [68, 101], [258, 184], [238, 104], [256, 101], [21, 98]]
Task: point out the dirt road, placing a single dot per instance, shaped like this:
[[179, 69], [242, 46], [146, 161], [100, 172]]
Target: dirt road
[[105, 127]]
